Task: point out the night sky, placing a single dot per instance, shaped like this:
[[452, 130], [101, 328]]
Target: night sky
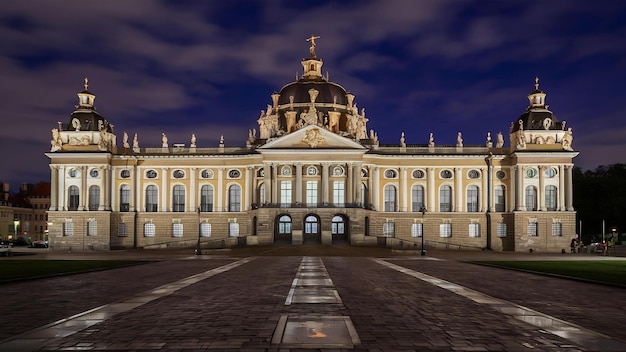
[[184, 67]]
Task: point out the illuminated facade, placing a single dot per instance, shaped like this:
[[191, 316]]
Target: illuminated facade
[[312, 173]]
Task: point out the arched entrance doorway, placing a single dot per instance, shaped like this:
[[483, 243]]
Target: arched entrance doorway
[[339, 228], [312, 233], [282, 232]]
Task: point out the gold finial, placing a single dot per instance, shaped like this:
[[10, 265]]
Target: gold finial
[[536, 83], [312, 47], [86, 83]]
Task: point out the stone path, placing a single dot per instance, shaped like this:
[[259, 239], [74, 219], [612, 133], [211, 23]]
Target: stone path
[[350, 302]]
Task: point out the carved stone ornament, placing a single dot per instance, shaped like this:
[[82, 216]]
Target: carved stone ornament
[[313, 138]]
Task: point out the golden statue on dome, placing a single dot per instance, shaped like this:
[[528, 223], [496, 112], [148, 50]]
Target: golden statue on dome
[[312, 47]]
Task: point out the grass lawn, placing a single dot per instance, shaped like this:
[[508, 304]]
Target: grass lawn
[[606, 271], [24, 269]]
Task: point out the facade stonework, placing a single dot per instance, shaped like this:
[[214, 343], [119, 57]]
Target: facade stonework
[[312, 173]]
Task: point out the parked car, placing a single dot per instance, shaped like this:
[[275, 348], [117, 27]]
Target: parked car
[[40, 244]]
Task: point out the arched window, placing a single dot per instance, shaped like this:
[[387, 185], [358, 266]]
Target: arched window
[[311, 225], [74, 198], [178, 198], [338, 225], [390, 198], [499, 193], [234, 198], [551, 198], [445, 198], [152, 198], [94, 197], [531, 198], [417, 198], [472, 199], [284, 224], [206, 198], [124, 198]]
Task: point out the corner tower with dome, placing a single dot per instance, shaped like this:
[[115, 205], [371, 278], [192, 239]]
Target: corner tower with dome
[[312, 172]]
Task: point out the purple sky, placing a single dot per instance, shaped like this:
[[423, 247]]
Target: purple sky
[[183, 67]]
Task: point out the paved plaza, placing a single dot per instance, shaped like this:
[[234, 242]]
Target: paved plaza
[[310, 298]]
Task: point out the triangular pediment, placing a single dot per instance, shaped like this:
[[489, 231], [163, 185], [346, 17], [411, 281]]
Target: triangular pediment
[[313, 138]]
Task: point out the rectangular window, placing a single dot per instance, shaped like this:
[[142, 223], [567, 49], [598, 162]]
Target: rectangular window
[[551, 198], [501, 229], [125, 199], [94, 198], [68, 228], [339, 193], [417, 198], [233, 229], [285, 194], [445, 199], [474, 230], [92, 227], [416, 229], [311, 193], [177, 230], [557, 229], [206, 198], [149, 229], [499, 199], [472, 199], [122, 229], [389, 229], [532, 229], [445, 230], [205, 229]]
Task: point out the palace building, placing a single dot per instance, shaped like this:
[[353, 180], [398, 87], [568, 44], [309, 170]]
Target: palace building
[[312, 173]]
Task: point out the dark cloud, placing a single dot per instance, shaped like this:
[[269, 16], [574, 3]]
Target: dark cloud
[[208, 68]]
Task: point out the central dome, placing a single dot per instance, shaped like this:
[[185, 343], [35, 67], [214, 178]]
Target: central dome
[[312, 100]]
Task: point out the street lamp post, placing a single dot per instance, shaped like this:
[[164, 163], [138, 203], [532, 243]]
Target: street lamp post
[[198, 249], [423, 210]]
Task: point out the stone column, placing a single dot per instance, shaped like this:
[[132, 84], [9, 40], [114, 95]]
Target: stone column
[[403, 189], [569, 188], [267, 181], [375, 191], [356, 188], [164, 190], [561, 191], [247, 189], [84, 196], [484, 200], [275, 190], [220, 189], [193, 194], [519, 189], [62, 189], [541, 192], [324, 183], [135, 201], [298, 182], [104, 189], [458, 190], [431, 191], [350, 185], [54, 187]]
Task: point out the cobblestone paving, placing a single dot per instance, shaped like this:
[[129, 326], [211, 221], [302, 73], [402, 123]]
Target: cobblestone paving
[[238, 310]]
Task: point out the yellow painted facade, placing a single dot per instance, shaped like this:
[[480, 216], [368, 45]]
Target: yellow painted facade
[[313, 174]]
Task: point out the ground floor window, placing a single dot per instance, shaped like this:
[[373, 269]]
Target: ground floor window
[[284, 224], [532, 228], [557, 229], [417, 230], [501, 229], [389, 229], [68, 228], [92, 227], [233, 228], [445, 230], [205, 229], [177, 230], [122, 229], [149, 229], [311, 224], [339, 225], [474, 230]]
